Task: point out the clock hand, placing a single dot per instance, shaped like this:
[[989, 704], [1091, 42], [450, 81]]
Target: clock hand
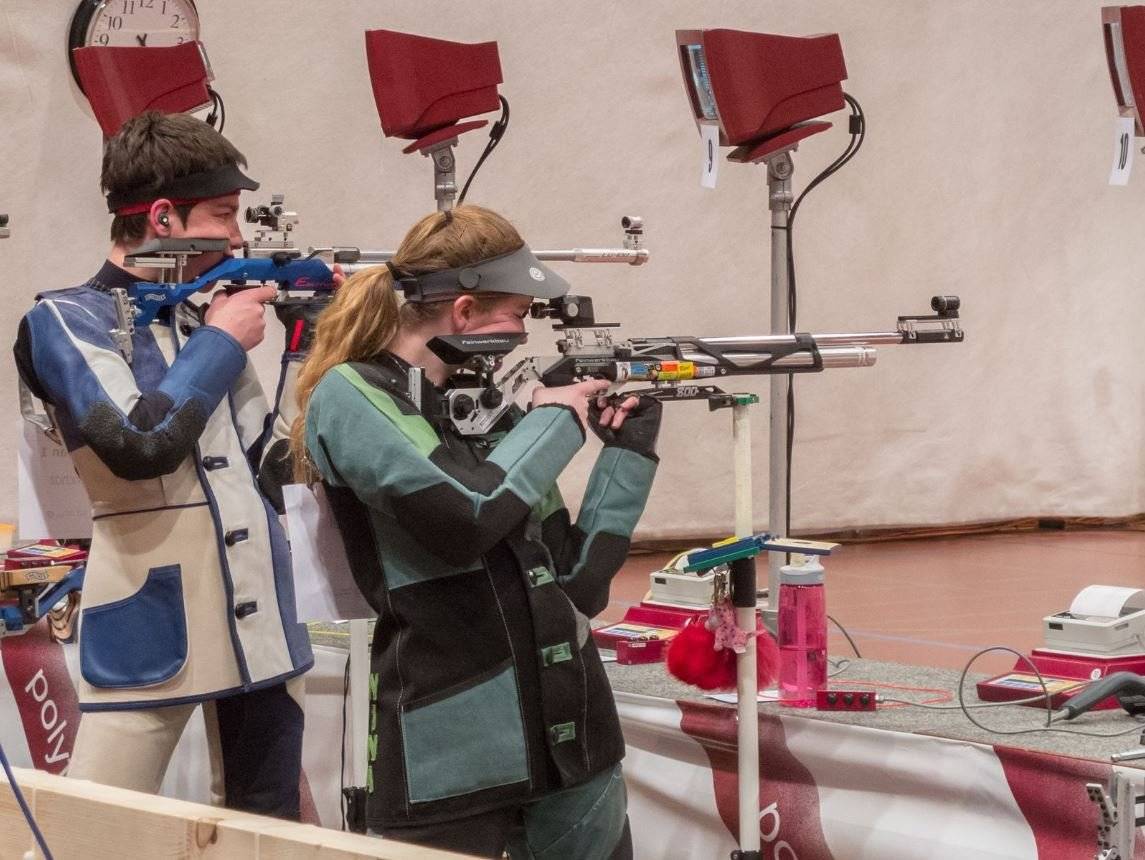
[[141, 39]]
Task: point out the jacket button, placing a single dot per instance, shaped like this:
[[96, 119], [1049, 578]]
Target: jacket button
[[560, 653], [233, 537], [562, 732], [212, 463], [242, 610], [185, 329]]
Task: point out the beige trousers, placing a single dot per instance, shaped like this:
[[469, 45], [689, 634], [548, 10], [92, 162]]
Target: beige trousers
[[131, 749]]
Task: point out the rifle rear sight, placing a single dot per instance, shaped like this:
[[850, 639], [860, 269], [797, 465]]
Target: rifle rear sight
[[273, 216], [572, 311]]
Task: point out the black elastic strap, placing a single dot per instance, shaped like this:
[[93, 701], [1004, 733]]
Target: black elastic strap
[[806, 343]]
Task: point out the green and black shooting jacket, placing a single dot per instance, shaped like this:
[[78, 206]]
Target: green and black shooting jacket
[[486, 687]]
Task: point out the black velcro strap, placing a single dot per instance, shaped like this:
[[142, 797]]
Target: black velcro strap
[[806, 343]]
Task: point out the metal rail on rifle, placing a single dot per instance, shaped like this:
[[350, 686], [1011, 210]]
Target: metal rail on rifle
[[275, 223], [678, 368]]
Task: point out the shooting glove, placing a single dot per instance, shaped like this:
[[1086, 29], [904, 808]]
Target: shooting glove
[[298, 317], [638, 432]]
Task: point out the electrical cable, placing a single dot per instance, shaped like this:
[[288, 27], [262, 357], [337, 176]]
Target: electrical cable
[[846, 635], [31, 819], [857, 125], [964, 707], [495, 135], [944, 695], [934, 707], [1046, 696], [218, 110]]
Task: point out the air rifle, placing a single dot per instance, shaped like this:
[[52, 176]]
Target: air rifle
[[139, 304], [677, 368]]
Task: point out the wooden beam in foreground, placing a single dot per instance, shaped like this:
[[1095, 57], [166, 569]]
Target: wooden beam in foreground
[[84, 821]]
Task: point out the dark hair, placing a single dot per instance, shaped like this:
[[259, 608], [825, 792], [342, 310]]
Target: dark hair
[[153, 149]]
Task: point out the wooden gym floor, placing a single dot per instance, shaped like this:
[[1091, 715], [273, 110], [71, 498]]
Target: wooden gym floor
[[936, 601]]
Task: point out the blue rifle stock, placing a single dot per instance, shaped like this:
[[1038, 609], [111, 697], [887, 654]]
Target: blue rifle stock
[[290, 274]]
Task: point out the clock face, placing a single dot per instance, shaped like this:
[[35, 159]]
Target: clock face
[[140, 23]]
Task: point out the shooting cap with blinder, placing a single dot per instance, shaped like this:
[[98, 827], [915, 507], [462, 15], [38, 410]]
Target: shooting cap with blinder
[[190, 188], [518, 273]]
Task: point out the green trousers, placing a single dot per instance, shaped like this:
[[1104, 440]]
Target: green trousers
[[585, 822]]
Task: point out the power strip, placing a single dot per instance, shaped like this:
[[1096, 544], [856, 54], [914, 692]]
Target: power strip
[[846, 700]]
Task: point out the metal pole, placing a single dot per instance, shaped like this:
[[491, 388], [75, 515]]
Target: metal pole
[[744, 598], [779, 171], [444, 178], [359, 699]]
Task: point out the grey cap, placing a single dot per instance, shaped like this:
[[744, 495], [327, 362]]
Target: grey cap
[[518, 272]]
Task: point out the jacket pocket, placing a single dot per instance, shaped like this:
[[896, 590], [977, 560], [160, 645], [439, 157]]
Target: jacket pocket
[[469, 741], [140, 640]]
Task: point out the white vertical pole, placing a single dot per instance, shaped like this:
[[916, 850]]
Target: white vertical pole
[[747, 728]]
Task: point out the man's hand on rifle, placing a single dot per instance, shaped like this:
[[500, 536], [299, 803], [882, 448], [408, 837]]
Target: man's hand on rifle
[[242, 315], [633, 423]]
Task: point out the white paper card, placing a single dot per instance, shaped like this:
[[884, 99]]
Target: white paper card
[[324, 588], [1106, 601], [53, 502], [710, 154], [769, 695], [1123, 146]]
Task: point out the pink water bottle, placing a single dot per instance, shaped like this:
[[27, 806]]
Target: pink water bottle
[[802, 633]]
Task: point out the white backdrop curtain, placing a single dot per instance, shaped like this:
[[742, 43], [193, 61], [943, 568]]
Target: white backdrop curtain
[[984, 174]]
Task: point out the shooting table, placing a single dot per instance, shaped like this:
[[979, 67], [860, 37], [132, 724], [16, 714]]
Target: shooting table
[[897, 783], [901, 782]]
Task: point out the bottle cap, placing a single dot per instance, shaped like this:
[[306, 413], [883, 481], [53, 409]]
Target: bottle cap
[[808, 573]]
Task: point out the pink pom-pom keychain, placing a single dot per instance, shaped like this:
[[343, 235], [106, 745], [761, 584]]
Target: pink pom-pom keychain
[[703, 652]]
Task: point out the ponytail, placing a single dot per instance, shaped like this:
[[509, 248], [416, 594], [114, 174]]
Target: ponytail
[[360, 322]]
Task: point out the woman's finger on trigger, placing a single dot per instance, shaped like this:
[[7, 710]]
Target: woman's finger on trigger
[[592, 386]]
